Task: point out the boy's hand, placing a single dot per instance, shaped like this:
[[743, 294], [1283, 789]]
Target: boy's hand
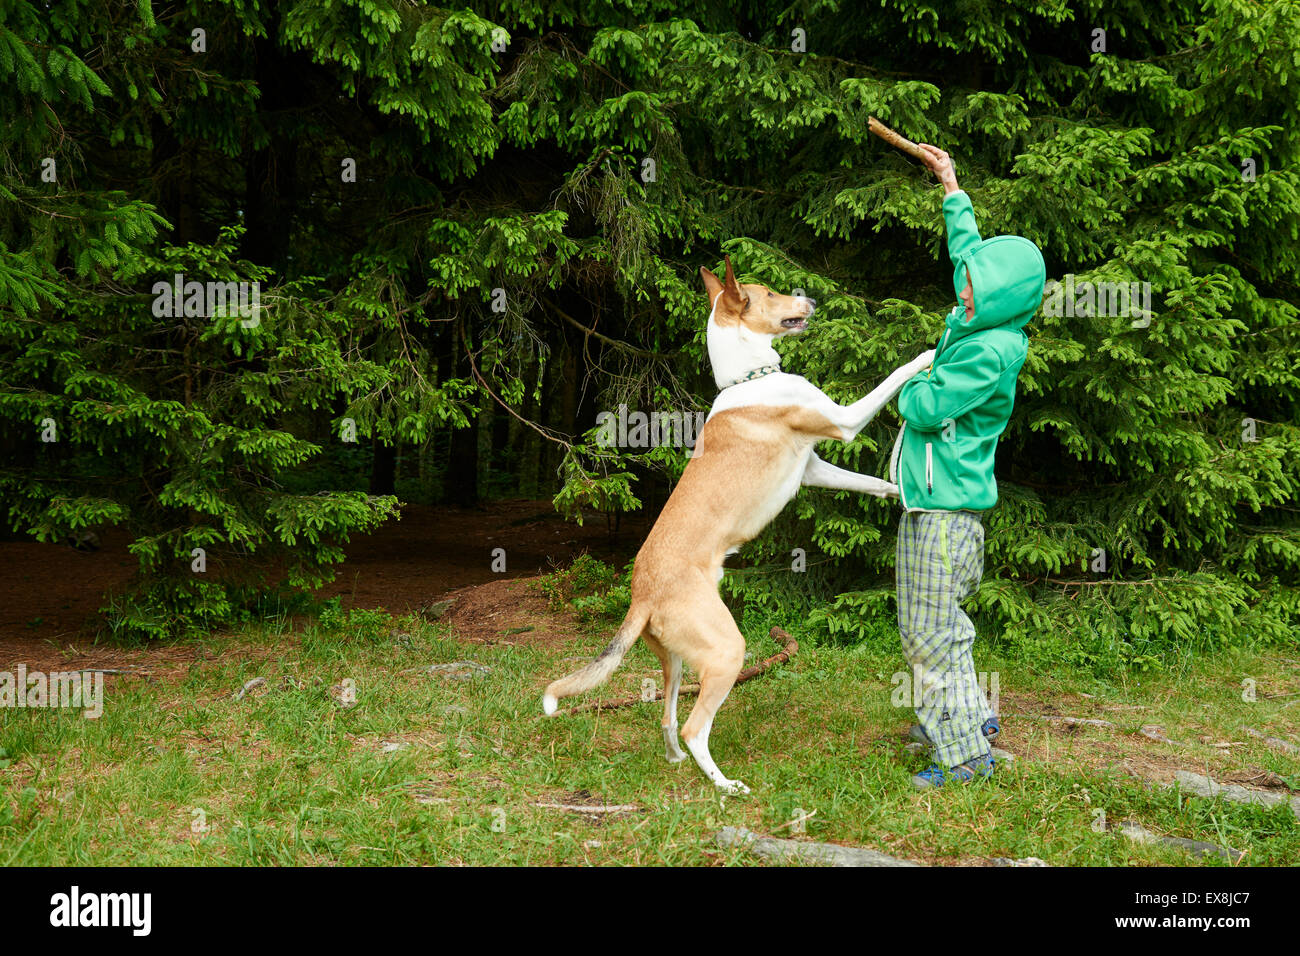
[[940, 163]]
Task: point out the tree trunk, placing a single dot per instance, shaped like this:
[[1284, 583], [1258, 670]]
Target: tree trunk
[[383, 470], [462, 470]]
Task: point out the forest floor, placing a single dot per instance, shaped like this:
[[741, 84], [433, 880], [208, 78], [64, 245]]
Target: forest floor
[[49, 594], [352, 751]]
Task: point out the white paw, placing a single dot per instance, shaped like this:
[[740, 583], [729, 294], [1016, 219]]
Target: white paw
[[732, 787], [677, 757], [549, 704], [887, 490]]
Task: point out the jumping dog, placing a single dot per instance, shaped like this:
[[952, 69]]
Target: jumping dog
[[751, 456]]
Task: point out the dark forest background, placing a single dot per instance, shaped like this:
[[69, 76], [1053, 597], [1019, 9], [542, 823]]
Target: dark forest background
[[474, 229]]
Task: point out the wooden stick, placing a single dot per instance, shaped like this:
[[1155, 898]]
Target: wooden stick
[[1067, 721], [898, 142], [579, 808], [789, 648]]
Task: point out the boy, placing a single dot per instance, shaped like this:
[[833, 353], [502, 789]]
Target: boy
[[942, 462]]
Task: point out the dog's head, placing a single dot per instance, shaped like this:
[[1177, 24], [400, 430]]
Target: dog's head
[[755, 307]]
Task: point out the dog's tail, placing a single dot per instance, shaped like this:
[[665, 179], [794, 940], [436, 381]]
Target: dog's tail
[[598, 671]]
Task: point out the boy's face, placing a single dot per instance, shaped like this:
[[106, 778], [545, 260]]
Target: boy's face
[[968, 299]]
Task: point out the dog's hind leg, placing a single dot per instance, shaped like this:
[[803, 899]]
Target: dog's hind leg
[[718, 660], [672, 667], [672, 684]]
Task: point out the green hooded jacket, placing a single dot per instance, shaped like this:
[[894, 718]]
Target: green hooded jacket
[[954, 412]]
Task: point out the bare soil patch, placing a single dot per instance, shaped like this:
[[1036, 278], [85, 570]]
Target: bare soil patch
[[49, 593]]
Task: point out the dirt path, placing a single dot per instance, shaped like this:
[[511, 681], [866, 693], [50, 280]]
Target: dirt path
[[49, 593]]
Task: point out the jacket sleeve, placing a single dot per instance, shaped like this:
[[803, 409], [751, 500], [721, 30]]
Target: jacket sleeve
[[948, 391], [963, 233]]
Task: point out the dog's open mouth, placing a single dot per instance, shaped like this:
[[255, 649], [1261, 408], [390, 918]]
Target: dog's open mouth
[[795, 324]]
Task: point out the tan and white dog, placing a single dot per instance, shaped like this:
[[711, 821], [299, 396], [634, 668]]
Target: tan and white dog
[[753, 453]]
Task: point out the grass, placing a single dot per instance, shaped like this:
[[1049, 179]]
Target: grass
[[177, 772]]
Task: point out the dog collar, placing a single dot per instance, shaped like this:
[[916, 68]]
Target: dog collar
[[750, 376]]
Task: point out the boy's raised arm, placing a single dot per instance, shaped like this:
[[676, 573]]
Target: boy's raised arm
[[958, 213]]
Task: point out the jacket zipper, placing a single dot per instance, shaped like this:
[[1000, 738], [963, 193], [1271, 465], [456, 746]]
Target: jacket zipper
[[893, 465], [939, 349], [929, 466]]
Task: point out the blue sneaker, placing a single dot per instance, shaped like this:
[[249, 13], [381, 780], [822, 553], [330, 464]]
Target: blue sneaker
[[990, 729], [977, 768]]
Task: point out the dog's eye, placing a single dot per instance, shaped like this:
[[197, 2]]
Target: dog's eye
[[769, 295]]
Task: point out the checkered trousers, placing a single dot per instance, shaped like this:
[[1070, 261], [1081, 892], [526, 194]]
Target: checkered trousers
[[940, 561]]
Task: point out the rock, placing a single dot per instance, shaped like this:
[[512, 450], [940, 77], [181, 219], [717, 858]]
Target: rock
[[459, 670], [792, 851], [1277, 743], [1139, 834], [255, 682], [455, 709], [437, 609], [1025, 861], [1205, 787], [344, 696], [1005, 756], [389, 747]]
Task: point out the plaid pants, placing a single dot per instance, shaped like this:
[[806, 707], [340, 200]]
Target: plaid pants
[[940, 561]]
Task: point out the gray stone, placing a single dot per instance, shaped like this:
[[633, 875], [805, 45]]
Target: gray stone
[[459, 670], [1277, 743], [437, 609], [1139, 834], [255, 682], [1205, 787], [797, 851], [1025, 861]]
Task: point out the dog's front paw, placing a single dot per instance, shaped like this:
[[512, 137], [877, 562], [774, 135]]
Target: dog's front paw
[[732, 787], [923, 361], [887, 489]]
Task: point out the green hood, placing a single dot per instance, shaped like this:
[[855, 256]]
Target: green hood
[[1007, 275]]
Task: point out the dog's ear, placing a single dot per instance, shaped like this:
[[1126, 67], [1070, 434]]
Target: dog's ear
[[732, 291], [711, 284]]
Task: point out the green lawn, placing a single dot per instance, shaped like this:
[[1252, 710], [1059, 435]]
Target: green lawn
[[290, 776]]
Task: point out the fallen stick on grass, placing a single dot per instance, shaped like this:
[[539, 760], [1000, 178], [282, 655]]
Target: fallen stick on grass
[[1068, 721], [579, 808], [799, 819], [1157, 734], [789, 648]]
